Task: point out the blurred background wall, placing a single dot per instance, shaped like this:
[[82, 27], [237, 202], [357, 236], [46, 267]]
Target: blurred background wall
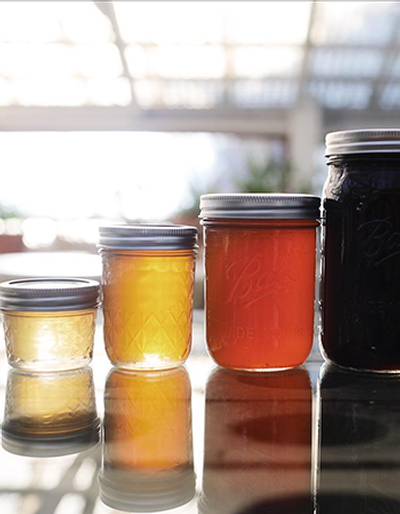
[[131, 110]]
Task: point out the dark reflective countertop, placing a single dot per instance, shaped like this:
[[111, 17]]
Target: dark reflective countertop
[[199, 439]]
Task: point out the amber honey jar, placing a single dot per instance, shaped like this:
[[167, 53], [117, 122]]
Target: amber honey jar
[[259, 278], [50, 414], [257, 440], [148, 280], [147, 446], [49, 323]]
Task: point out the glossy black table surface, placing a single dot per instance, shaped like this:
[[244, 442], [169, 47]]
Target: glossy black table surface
[[199, 439]]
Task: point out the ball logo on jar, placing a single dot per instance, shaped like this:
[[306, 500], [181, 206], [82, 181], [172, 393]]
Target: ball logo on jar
[[378, 240], [252, 283]]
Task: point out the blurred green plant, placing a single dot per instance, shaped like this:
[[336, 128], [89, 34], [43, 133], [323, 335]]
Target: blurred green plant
[[8, 212], [273, 177]]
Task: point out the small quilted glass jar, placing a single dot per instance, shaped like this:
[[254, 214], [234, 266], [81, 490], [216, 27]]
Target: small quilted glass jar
[[49, 323], [148, 280]]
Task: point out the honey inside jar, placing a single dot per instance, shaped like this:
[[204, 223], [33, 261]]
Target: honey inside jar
[[148, 310], [148, 297], [37, 340]]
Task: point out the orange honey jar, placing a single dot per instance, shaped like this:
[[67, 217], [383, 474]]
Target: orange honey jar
[[259, 278]]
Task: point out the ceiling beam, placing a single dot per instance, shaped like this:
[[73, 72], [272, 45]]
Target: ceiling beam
[[107, 8], [271, 45], [304, 73], [266, 122], [364, 118], [263, 122], [270, 79]]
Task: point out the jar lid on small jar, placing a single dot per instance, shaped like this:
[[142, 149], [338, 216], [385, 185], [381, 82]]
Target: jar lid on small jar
[[148, 236], [49, 294], [347, 142], [260, 206]]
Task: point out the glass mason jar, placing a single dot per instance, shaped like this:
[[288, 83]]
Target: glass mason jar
[[50, 414], [49, 323], [257, 445], [148, 280], [360, 293], [147, 445], [259, 278]]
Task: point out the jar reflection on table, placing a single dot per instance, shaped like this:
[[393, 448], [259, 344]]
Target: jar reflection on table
[[147, 447], [257, 440], [358, 455], [148, 281], [50, 414]]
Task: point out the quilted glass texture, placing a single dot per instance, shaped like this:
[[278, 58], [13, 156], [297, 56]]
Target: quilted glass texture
[[49, 341], [147, 305]]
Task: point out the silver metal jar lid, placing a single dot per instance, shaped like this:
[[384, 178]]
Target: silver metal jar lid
[[259, 206], [49, 294], [147, 237], [349, 142]]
